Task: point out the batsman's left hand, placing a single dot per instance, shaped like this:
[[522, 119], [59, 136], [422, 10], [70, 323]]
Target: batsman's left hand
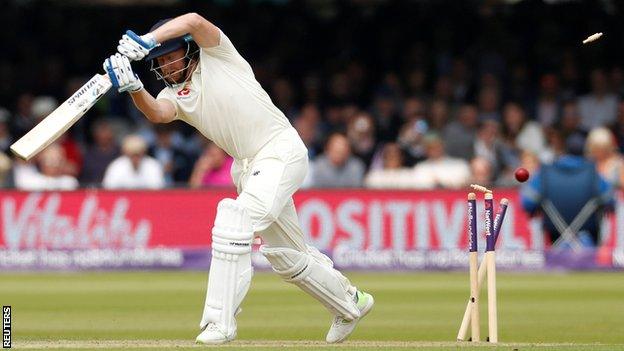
[[136, 47]]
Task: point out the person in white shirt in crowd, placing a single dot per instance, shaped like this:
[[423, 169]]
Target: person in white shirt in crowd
[[392, 174], [49, 176], [210, 86], [134, 169], [440, 170], [599, 107]]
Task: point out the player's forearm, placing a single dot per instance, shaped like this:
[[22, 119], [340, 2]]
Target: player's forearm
[[176, 27], [149, 106], [202, 31]]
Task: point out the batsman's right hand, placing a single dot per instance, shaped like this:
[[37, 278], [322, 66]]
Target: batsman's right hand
[[121, 75]]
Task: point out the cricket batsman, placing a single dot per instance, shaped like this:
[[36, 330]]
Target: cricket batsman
[[210, 86]]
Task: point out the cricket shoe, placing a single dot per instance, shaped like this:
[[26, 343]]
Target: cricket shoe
[[212, 334], [342, 328]]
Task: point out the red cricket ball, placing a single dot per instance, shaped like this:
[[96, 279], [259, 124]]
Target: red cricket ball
[[522, 175]]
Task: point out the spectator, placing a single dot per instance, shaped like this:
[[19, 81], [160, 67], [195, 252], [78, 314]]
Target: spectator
[[570, 77], [570, 122], [438, 116], [312, 89], [337, 168], [520, 133], [212, 169], [440, 170], [284, 96], [307, 125], [460, 134], [386, 116], [519, 86], [547, 105], [443, 89], [340, 90], [134, 169], [487, 145], [599, 107], [617, 80], [50, 176], [460, 77], [393, 174], [417, 82], [414, 108], [5, 134], [334, 121], [23, 120], [361, 135], [488, 104], [601, 148], [5, 171], [481, 172], [549, 190], [100, 154], [556, 146], [410, 140], [176, 165], [618, 127]]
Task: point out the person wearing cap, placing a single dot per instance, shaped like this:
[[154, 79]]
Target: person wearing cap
[[439, 169], [210, 86], [134, 169]]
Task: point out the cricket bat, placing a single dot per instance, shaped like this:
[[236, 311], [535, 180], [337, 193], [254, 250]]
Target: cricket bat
[[61, 119]]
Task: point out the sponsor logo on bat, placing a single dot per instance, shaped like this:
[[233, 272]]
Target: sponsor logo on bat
[[77, 95]]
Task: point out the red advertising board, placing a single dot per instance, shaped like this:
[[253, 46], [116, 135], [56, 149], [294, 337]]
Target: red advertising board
[[349, 222]]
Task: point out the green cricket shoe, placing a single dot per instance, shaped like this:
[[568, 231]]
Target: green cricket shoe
[[342, 328]]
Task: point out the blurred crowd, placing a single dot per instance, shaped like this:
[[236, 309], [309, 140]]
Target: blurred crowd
[[447, 114]]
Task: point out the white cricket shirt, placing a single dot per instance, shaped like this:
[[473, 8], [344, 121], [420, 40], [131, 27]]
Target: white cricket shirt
[[226, 104]]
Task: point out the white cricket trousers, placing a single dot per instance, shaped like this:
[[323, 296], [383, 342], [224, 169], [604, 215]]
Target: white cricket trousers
[[265, 185]]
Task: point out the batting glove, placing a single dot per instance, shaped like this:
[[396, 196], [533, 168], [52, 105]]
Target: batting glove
[[121, 75], [136, 47]]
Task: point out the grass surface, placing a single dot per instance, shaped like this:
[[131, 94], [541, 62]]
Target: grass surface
[[161, 310]]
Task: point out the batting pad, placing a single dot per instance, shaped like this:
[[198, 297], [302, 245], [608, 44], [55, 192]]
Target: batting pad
[[230, 268], [313, 272]]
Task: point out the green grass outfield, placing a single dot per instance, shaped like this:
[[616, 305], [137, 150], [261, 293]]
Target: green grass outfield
[[161, 310]]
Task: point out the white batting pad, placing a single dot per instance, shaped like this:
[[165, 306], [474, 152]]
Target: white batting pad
[[230, 268], [313, 272]]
